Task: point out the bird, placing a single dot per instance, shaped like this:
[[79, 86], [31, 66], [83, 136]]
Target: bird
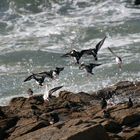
[[88, 67], [117, 58], [103, 103], [75, 54], [56, 72], [38, 77], [94, 51], [48, 93], [53, 73], [54, 118], [129, 103], [106, 114], [30, 92]]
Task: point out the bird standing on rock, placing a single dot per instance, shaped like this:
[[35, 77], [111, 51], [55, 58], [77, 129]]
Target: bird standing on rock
[[103, 103], [30, 92], [117, 58], [88, 67], [106, 114], [130, 103], [54, 118]]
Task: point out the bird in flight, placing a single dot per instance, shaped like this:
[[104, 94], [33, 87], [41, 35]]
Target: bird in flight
[[117, 58], [88, 67], [92, 51]]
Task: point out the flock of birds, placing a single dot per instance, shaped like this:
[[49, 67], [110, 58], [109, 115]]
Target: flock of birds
[[53, 74]]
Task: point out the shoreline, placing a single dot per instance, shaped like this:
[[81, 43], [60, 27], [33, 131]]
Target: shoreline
[[79, 116]]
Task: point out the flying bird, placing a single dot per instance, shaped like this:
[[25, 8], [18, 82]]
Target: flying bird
[[94, 51], [117, 58], [53, 73], [88, 67], [56, 72], [38, 77], [75, 54], [48, 93]]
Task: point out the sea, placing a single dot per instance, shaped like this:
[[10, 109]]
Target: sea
[[34, 34]]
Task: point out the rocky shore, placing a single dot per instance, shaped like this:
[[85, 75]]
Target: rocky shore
[[74, 116]]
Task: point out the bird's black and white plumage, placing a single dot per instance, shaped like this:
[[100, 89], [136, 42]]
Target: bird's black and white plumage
[[118, 59], [38, 77], [94, 51], [48, 93], [75, 54], [103, 103], [88, 67], [53, 73]]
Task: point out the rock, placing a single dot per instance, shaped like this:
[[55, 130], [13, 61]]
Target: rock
[[80, 116], [126, 116], [80, 97], [5, 125], [131, 135], [123, 88], [115, 137], [81, 131], [26, 126], [112, 126]]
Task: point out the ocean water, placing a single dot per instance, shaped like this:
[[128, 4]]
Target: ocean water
[[35, 33]]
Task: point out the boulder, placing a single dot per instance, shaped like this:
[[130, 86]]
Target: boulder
[[5, 125], [76, 131], [130, 135], [126, 116], [112, 126], [81, 97], [27, 126]]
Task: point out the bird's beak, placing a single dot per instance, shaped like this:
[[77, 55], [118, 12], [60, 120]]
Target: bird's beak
[[66, 55]]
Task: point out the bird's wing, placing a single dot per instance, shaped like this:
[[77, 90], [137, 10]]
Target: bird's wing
[[28, 78], [112, 52], [92, 65], [89, 70], [99, 45], [59, 68], [51, 91], [46, 74]]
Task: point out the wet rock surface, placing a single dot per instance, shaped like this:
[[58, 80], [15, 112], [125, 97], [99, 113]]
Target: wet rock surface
[[74, 116]]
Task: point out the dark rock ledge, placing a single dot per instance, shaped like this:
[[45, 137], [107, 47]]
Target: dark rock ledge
[[81, 117]]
